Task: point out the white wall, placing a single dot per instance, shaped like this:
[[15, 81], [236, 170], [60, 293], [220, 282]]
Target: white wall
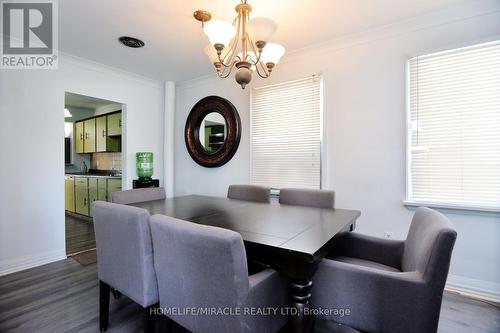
[[191, 178], [364, 157], [32, 149]]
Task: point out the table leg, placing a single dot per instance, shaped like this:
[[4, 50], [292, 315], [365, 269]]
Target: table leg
[[300, 292]]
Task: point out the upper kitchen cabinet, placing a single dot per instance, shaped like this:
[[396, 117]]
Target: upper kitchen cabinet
[[115, 124], [79, 137], [89, 140], [105, 143], [99, 134]]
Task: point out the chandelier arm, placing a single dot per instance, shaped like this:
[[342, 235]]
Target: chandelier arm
[[232, 48], [255, 51], [231, 55], [266, 73], [226, 72], [258, 64]]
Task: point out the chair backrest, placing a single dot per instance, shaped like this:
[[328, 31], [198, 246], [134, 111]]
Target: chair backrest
[[305, 197], [249, 193], [138, 195], [429, 245], [125, 251], [202, 267]]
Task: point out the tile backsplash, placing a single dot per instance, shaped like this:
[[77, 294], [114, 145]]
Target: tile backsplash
[[107, 161]]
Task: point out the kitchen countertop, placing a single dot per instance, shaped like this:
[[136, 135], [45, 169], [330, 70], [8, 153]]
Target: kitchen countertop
[[78, 174]]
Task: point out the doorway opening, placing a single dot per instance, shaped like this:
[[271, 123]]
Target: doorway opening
[[93, 164]]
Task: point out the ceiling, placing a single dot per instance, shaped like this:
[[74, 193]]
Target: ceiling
[[175, 41], [86, 102]]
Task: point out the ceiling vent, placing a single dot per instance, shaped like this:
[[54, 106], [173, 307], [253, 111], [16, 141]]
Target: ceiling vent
[[131, 42]]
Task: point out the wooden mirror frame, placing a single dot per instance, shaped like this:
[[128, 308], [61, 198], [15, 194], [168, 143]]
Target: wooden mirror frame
[[203, 107]]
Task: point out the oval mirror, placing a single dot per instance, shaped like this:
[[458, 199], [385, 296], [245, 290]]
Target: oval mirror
[[212, 131]]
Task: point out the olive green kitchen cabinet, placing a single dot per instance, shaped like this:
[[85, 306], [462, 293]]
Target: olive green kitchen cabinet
[[69, 194], [81, 195], [79, 137], [114, 185], [115, 124], [102, 189], [105, 143], [101, 133], [93, 193], [89, 138], [90, 189]]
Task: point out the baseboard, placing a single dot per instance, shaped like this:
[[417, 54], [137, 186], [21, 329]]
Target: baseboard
[[485, 290], [20, 264]]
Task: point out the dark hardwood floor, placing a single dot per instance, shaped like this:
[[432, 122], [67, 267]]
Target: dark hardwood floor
[[79, 234], [63, 297]]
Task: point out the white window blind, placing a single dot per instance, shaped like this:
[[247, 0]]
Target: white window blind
[[286, 134], [454, 130]]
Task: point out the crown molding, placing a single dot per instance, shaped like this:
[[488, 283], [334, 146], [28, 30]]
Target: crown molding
[[102, 68]]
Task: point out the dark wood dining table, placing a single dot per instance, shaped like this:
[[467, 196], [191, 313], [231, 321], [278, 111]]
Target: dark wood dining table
[[290, 239]]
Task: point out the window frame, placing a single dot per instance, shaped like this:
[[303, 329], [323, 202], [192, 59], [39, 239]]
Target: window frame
[[408, 200], [322, 160]]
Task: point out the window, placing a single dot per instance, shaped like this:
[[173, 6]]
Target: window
[[454, 128], [286, 134]]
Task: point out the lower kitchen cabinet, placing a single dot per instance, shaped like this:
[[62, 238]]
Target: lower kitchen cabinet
[[114, 185], [93, 193], [102, 189], [81, 192], [81, 196], [69, 194]]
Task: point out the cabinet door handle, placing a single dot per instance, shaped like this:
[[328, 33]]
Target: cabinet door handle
[[85, 201], [103, 133], [81, 136], [120, 123], [86, 135]]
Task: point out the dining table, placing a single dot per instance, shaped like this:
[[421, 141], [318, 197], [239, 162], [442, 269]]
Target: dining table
[[291, 239]]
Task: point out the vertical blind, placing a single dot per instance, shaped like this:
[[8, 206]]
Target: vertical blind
[[286, 134], [454, 132]]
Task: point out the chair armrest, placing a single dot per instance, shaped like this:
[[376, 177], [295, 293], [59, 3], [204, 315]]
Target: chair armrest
[[267, 290], [266, 286], [378, 301], [384, 251]]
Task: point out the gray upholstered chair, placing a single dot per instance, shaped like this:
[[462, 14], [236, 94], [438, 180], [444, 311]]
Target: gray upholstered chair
[[389, 285], [138, 195], [204, 267], [249, 193], [305, 197], [124, 258]]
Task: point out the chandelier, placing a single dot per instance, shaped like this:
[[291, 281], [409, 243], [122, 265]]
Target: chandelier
[[243, 45]]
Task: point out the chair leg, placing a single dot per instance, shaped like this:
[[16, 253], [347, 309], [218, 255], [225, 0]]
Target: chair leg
[[116, 293], [149, 318], [169, 324], [104, 290]]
